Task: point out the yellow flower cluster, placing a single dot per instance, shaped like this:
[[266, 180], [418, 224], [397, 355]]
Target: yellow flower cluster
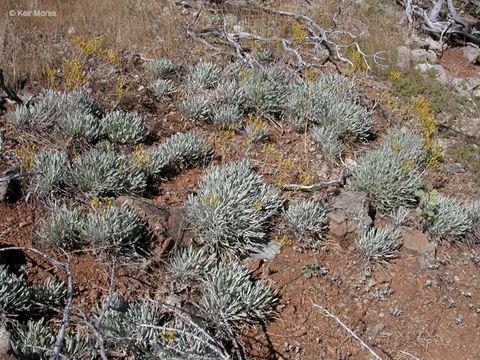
[[140, 157], [212, 201], [50, 75], [256, 123], [89, 47], [429, 124], [358, 62], [25, 157], [284, 241], [102, 205], [120, 88], [299, 33], [74, 75]]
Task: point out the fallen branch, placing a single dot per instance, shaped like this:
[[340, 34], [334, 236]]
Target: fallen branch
[[328, 314], [339, 181], [16, 176]]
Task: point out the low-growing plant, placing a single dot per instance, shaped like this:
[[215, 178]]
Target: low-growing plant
[[106, 173], [204, 75], [79, 125], [51, 169], [326, 139], [196, 108], [428, 199], [307, 219], [63, 228], [232, 209], [227, 115], [232, 297], [112, 229], [180, 149], [256, 130], [124, 128], [160, 68], [451, 218], [314, 269], [162, 88], [229, 92], [388, 178], [265, 91], [408, 145], [379, 243]]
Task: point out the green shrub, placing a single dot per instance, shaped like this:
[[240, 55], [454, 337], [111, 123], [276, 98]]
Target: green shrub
[[326, 139], [379, 244], [51, 170], [106, 173], [229, 92], [124, 128], [196, 108], [307, 219], [388, 178], [63, 228], [80, 125], [232, 209], [204, 75], [451, 219]]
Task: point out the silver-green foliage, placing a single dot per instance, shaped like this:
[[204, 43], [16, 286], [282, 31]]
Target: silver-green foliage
[[229, 92], [196, 108], [80, 125], [35, 341], [105, 173], [181, 148], [326, 139], [256, 131], [451, 219], [112, 228], [265, 91], [232, 297], [204, 75], [388, 178], [307, 218], [408, 145], [160, 68], [51, 169], [379, 243], [124, 128], [63, 228], [232, 209], [329, 101], [227, 115], [163, 88]]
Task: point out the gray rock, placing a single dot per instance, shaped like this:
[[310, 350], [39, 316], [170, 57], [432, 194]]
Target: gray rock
[[438, 72], [4, 340], [422, 55], [349, 215], [471, 54], [455, 168], [404, 58], [166, 223], [428, 43]]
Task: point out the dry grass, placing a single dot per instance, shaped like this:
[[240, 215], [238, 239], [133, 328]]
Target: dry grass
[[29, 44]]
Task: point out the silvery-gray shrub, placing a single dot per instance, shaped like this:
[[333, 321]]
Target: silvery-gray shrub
[[307, 219], [229, 92], [383, 174], [329, 101], [106, 173], [63, 227], [80, 125], [204, 75], [180, 149], [160, 68], [231, 296], [232, 209], [191, 263], [124, 128], [265, 91], [451, 219], [112, 229], [196, 108], [256, 131], [327, 139], [227, 115], [379, 243], [408, 145], [51, 169], [163, 88]]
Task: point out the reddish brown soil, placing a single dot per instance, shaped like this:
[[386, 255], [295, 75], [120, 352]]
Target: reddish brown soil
[[405, 306]]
